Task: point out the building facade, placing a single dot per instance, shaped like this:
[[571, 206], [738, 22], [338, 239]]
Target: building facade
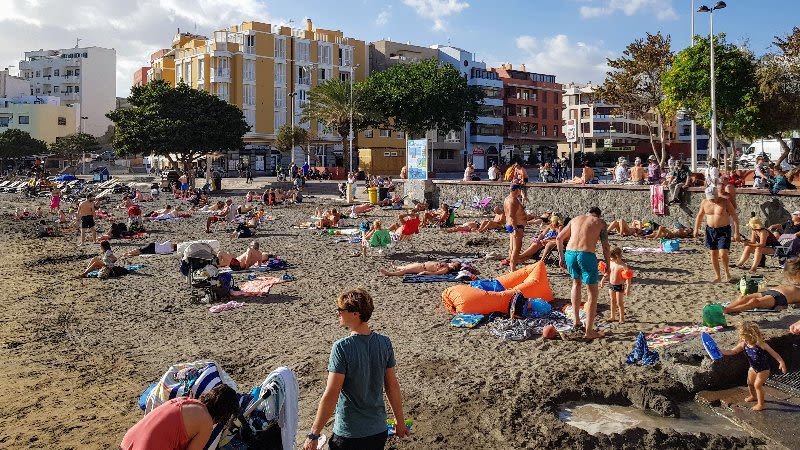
[[267, 71], [162, 63], [83, 78], [11, 86], [532, 115], [43, 117], [684, 134], [140, 76], [601, 126]]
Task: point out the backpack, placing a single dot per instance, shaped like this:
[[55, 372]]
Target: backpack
[[713, 316]]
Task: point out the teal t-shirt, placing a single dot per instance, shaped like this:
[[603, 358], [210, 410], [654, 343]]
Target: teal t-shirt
[[363, 359]]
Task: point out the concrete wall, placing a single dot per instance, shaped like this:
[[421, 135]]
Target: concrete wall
[[616, 202]]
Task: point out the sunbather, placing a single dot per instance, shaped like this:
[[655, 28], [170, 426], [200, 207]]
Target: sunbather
[[376, 236], [328, 219], [498, 221], [251, 257], [226, 214], [467, 227], [545, 242], [437, 217], [674, 233], [361, 209], [420, 206], [407, 224], [776, 298], [425, 268], [625, 229], [153, 248], [125, 203]]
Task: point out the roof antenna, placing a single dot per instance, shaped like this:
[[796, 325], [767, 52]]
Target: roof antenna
[[77, 42]]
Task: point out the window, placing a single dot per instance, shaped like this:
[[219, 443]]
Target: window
[[344, 76], [178, 72], [249, 95], [386, 133], [38, 74], [223, 91], [77, 72], [250, 43], [345, 56], [56, 89], [280, 119], [280, 98], [446, 153], [486, 130], [324, 75], [490, 111], [491, 92], [368, 133], [401, 135], [250, 118], [544, 130], [77, 89], [249, 70], [201, 73], [55, 72], [280, 73], [324, 54], [61, 121], [280, 47], [39, 90], [453, 136], [302, 51], [4, 122], [223, 67], [187, 72], [544, 96], [303, 75], [69, 73], [555, 130]]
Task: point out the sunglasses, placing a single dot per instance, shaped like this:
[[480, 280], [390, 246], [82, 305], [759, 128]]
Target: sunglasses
[[342, 310]]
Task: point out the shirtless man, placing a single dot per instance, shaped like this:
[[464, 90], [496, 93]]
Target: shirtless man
[[221, 215], [581, 236], [426, 268], [251, 257], [638, 173], [515, 223], [329, 219], [407, 224], [718, 212], [498, 221], [438, 216], [86, 215]]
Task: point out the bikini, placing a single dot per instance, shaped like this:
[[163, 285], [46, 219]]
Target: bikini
[[780, 299]]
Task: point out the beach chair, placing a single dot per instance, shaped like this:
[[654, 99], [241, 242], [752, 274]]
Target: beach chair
[[481, 204], [789, 248], [14, 186]]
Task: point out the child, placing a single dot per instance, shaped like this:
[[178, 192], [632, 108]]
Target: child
[[756, 349], [618, 285], [779, 297], [55, 201]]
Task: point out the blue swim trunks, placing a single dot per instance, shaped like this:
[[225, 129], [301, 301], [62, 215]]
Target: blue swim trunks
[[582, 265], [184, 186], [510, 228]]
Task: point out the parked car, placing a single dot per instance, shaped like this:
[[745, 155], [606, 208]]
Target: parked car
[[107, 155]]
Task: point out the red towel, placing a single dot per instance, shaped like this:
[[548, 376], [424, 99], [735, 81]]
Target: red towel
[[657, 199]]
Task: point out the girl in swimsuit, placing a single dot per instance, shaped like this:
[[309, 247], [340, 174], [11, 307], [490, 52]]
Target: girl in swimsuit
[[618, 285], [779, 297], [426, 268], [752, 342]]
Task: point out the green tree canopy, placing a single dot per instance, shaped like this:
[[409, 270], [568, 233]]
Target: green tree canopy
[[72, 147], [284, 138], [422, 96], [635, 84], [177, 121], [688, 86], [16, 143]]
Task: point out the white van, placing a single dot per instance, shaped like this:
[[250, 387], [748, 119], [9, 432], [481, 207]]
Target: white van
[[769, 148]]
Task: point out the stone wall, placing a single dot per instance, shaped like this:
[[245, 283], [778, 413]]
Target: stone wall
[[616, 202]]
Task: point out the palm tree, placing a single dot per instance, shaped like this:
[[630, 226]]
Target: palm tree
[[329, 104]]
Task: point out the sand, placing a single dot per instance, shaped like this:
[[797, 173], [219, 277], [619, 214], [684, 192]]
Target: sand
[[77, 353]]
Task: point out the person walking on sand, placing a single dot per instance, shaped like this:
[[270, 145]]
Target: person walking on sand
[[86, 219], [581, 236], [718, 212], [361, 367], [515, 223]]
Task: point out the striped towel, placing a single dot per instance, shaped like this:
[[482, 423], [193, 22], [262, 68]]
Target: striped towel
[[657, 199]]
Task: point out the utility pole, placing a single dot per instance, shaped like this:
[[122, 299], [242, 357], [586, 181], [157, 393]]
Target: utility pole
[[350, 136]]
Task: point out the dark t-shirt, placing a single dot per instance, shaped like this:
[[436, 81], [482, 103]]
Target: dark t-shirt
[[680, 174], [791, 228]]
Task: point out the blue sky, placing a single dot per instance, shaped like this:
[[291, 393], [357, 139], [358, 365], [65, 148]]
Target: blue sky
[[568, 38]]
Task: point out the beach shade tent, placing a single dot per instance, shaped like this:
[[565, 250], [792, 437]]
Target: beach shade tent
[[531, 281]]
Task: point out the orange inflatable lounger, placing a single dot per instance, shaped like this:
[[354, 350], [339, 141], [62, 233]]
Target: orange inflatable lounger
[[531, 281]]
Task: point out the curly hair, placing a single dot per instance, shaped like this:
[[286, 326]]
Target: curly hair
[[750, 333]]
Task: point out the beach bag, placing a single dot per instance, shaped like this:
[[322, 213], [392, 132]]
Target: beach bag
[[670, 245], [488, 285], [750, 285], [523, 308], [713, 316]]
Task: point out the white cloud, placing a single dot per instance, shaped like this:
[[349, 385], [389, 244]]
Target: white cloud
[[568, 61], [383, 16], [661, 8], [437, 10], [135, 28]]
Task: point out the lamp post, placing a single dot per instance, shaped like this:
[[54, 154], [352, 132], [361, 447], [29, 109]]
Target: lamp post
[[693, 143], [292, 95], [83, 158], [713, 137], [350, 135]]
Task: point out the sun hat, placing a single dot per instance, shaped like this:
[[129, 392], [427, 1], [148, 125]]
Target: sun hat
[[755, 223]]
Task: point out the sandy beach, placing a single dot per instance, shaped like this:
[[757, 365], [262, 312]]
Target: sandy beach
[[77, 353]]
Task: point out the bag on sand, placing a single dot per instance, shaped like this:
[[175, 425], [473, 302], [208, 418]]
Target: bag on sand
[[713, 316], [523, 308], [670, 245]]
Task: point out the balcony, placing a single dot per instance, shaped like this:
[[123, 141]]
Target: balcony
[[70, 96], [24, 65], [70, 79], [220, 76], [488, 120]]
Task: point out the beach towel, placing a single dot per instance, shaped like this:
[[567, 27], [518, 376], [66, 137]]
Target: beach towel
[[408, 278], [524, 329], [133, 268], [671, 335], [467, 320], [258, 287], [650, 250], [657, 199], [282, 404], [132, 236], [225, 306], [641, 354]]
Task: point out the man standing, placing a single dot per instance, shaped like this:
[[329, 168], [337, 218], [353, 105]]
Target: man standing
[[718, 212], [581, 236], [184, 181], [86, 215], [515, 223], [678, 181], [305, 168]]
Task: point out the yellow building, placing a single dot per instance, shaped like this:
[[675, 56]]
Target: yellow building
[[381, 151], [162, 65], [267, 70], [45, 122]]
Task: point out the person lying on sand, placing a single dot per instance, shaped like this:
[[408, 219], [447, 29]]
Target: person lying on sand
[[467, 227], [497, 222], [153, 248], [678, 231], [250, 258], [361, 209], [389, 201], [25, 214], [420, 206], [623, 228], [777, 298], [424, 268], [437, 217]]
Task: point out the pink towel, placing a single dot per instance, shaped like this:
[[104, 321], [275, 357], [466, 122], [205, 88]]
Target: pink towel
[[657, 199], [258, 287]]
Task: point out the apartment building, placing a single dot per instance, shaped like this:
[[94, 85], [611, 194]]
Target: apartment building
[[532, 115], [82, 77], [601, 126], [684, 134], [11, 86], [43, 117], [140, 76], [162, 62], [267, 71]]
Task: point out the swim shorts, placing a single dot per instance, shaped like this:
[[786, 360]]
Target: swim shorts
[[149, 249], [616, 287], [87, 222], [582, 265], [718, 238], [184, 186], [235, 264], [780, 299], [510, 228]]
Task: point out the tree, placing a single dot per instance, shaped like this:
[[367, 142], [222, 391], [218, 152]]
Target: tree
[[635, 84], [74, 146], [779, 86], [687, 86], [422, 96], [178, 123], [284, 141], [15, 143], [329, 104]]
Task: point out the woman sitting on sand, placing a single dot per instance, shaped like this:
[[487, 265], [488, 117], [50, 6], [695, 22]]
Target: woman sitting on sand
[[546, 241], [761, 243], [777, 298], [425, 268], [104, 264], [497, 222]]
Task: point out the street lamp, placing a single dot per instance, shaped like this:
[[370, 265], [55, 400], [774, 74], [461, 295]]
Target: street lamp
[[292, 95], [710, 11], [350, 136], [83, 159]]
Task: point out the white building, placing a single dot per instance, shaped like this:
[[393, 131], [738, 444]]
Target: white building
[[83, 78], [11, 86], [486, 133], [685, 134]]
